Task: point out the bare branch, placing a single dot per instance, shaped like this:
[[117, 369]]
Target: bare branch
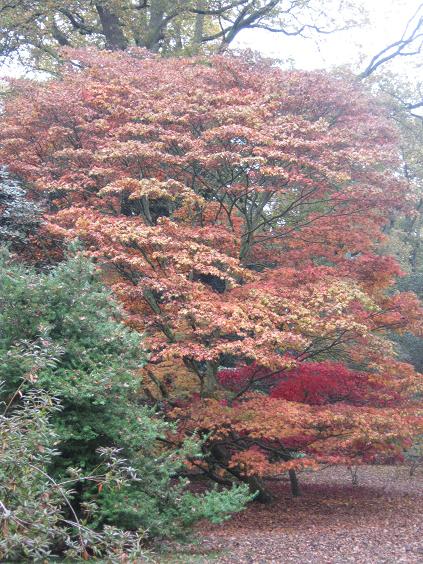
[[217, 11], [78, 22], [398, 48]]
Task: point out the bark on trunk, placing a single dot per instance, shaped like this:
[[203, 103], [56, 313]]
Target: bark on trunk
[[115, 39], [257, 486], [60, 37], [210, 380], [199, 24], [255, 483], [156, 25], [295, 485]]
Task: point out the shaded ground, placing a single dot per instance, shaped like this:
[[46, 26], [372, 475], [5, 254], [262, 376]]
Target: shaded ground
[[378, 521]]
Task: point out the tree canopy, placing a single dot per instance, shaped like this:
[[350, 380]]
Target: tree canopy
[[237, 211]]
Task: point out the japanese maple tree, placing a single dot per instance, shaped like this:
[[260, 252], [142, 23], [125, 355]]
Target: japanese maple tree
[[236, 209]]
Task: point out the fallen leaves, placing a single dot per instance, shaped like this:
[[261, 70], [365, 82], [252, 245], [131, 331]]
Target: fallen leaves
[[378, 521]]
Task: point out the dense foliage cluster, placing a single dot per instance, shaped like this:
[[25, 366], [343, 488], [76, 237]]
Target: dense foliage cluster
[[237, 211], [37, 514], [85, 424]]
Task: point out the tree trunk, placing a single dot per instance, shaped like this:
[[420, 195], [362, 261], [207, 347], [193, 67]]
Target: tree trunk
[[178, 36], [145, 205], [295, 485], [255, 483], [199, 24], [155, 31], [207, 375], [257, 486], [59, 36], [209, 383], [112, 29]]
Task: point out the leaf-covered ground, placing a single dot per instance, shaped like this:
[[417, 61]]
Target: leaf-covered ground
[[378, 521]]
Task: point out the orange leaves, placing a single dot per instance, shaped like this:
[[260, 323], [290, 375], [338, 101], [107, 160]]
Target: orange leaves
[[257, 417], [253, 462], [236, 210], [257, 428]]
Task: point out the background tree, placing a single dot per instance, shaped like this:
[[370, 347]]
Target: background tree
[[406, 231], [407, 49], [410, 44], [34, 30]]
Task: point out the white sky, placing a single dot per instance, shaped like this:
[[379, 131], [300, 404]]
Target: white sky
[[386, 22]]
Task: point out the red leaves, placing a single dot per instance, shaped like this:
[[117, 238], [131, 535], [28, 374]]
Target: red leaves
[[235, 209], [313, 383], [321, 383]]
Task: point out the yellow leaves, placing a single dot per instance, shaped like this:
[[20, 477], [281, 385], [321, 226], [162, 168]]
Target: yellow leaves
[[125, 151], [172, 376], [126, 184], [72, 154], [339, 294], [172, 190], [53, 187]]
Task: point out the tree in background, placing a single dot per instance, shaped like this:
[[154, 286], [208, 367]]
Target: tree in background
[[409, 45], [34, 30], [405, 231], [407, 48], [237, 210]]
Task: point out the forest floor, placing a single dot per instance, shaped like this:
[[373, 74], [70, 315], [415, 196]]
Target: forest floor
[[378, 521]]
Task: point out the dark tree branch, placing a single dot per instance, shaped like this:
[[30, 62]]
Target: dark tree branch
[[78, 23], [217, 11], [298, 31], [60, 37], [398, 48]]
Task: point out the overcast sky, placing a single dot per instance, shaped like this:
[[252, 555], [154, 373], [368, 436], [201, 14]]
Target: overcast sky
[[386, 22]]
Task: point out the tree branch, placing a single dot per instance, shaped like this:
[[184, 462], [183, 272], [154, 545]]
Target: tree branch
[[396, 49]]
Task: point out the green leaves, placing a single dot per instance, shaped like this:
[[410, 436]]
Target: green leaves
[[76, 349]]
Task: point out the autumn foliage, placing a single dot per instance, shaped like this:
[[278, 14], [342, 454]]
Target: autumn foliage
[[236, 210]]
